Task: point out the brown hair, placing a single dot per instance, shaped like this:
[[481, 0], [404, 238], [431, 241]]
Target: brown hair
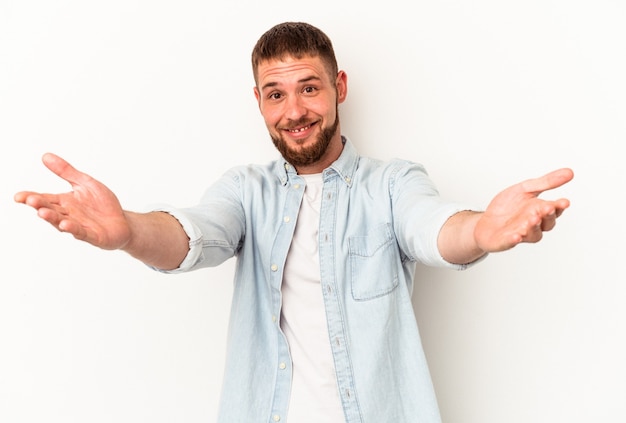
[[294, 39]]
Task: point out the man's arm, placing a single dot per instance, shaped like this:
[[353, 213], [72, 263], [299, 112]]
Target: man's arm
[[515, 215], [157, 239], [92, 213]]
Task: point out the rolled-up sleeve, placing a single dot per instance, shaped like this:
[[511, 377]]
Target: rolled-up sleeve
[[420, 213], [215, 226], [193, 233]]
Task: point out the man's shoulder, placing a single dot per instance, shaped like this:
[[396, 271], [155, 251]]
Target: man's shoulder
[[388, 166], [254, 169], [255, 176]]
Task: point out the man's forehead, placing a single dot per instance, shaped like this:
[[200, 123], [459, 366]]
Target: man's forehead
[[288, 68]]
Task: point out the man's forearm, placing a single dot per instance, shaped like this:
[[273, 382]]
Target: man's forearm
[[157, 239], [456, 241]]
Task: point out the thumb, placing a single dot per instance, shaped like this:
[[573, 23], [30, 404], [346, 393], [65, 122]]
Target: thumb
[[548, 181], [63, 169]]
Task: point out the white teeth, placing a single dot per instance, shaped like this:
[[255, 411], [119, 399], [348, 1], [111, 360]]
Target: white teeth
[[299, 130]]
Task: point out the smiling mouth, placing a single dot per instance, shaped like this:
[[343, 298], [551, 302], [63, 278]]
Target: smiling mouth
[[300, 129]]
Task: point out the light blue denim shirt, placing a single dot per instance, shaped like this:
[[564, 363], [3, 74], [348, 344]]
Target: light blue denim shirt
[[377, 219]]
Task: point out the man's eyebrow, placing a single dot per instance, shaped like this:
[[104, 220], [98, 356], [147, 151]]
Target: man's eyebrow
[[310, 78], [273, 84]]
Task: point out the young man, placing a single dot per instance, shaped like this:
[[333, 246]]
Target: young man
[[322, 328]]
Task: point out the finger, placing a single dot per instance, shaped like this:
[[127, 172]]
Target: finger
[[63, 169], [548, 222], [533, 231], [548, 181], [22, 196], [560, 205], [33, 199], [556, 207], [37, 200], [49, 215], [68, 226]]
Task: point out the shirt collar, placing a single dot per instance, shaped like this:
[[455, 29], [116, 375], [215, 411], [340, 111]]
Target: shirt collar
[[345, 166]]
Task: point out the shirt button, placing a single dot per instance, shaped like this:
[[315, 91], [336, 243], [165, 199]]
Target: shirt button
[[274, 267], [286, 219], [274, 318], [282, 366], [348, 179], [276, 418], [296, 186]]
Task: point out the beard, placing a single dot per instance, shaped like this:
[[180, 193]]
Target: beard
[[308, 155]]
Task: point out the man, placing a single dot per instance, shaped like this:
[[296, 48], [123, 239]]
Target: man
[[322, 328]]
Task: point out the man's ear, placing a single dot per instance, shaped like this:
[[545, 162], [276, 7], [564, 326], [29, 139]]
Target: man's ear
[[257, 95], [342, 86]]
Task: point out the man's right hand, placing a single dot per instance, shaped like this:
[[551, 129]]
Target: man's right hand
[[90, 212]]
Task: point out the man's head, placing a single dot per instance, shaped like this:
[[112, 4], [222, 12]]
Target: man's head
[[299, 88], [297, 40]]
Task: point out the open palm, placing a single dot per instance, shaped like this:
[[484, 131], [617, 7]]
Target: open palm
[[517, 214], [90, 212]]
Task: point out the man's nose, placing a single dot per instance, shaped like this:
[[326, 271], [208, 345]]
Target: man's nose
[[295, 107]]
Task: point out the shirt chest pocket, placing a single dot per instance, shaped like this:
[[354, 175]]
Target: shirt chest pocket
[[373, 263]]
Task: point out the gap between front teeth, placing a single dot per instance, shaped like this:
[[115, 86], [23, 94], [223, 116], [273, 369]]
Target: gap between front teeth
[[299, 130]]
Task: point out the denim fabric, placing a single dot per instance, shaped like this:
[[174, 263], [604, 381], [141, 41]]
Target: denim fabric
[[377, 220]]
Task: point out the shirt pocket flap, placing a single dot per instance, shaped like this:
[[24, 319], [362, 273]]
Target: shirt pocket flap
[[374, 259]]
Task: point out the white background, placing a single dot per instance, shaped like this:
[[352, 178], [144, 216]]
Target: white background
[[155, 99]]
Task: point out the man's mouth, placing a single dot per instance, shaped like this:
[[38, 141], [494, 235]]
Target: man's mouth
[[299, 129], [304, 128]]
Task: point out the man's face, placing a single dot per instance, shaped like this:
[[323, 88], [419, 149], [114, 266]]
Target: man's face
[[298, 101]]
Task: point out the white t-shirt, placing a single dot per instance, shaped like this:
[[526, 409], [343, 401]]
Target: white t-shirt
[[314, 394]]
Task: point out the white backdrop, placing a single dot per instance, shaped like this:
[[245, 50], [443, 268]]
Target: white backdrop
[[155, 99]]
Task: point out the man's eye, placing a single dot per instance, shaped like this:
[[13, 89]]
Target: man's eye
[[275, 96], [309, 90]]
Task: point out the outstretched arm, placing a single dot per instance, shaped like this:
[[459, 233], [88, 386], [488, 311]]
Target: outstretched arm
[[92, 213], [515, 215]]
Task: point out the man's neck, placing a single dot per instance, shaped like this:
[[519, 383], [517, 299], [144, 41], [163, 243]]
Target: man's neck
[[330, 156]]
